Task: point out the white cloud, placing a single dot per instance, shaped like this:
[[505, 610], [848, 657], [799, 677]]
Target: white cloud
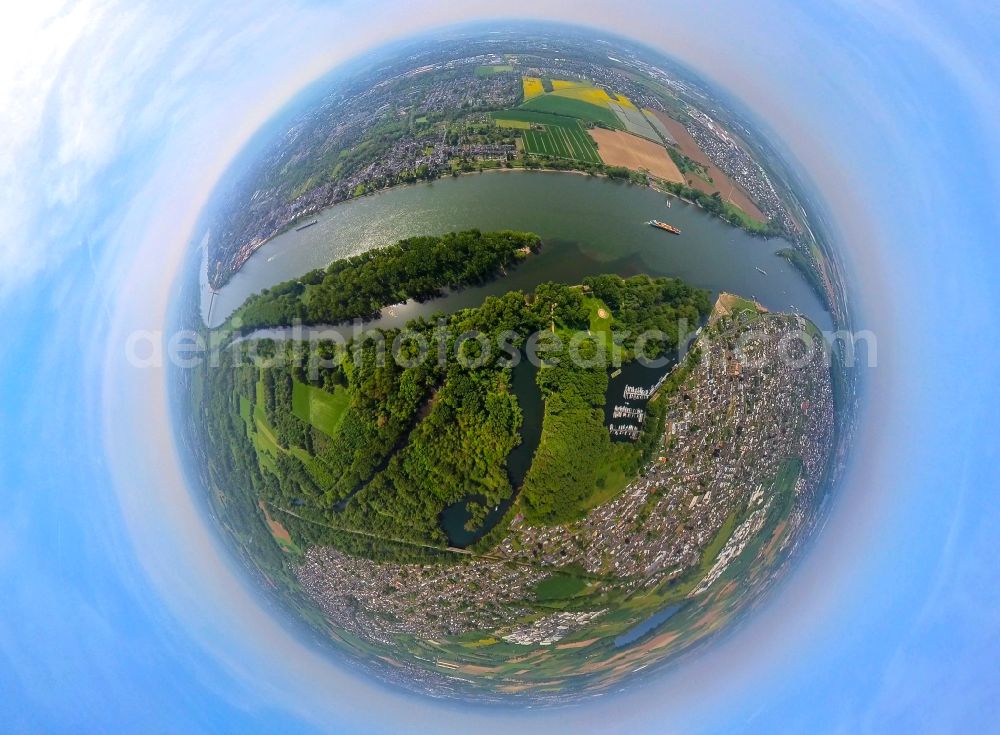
[[35, 39], [84, 86]]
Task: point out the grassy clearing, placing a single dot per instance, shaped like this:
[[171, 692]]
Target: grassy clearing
[[728, 305], [319, 471], [600, 316], [265, 435], [559, 587], [711, 552], [319, 408], [488, 70], [742, 304], [266, 444], [259, 433], [747, 222], [612, 481]]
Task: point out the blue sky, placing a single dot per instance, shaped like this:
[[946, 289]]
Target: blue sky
[[119, 611]]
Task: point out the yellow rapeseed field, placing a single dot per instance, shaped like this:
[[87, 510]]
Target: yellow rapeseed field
[[532, 87], [574, 89], [586, 92], [567, 83], [593, 95]]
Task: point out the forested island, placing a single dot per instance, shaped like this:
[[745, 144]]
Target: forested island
[[415, 268]]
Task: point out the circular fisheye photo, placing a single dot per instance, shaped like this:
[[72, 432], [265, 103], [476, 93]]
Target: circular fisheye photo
[[524, 377], [391, 368]]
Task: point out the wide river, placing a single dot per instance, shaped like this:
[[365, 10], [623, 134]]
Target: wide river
[[589, 225]]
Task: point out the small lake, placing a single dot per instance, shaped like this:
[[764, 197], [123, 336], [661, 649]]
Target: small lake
[[529, 399], [648, 625], [590, 225]]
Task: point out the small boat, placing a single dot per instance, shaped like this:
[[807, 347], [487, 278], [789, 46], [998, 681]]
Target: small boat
[[307, 224], [760, 270], [663, 226]]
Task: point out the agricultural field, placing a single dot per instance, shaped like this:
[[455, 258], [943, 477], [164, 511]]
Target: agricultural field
[[583, 92], [521, 115], [717, 179], [635, 122], [561, 141], [618, 148], [660, 127], [550, 135], [512, 124], [587, 92], [557, 104], [532, 87], [584, 101]]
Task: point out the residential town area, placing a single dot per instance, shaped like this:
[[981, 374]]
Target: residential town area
[[730, 428]]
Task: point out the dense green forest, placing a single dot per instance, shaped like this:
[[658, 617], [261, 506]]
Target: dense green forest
[[415, 268], [365, 453]]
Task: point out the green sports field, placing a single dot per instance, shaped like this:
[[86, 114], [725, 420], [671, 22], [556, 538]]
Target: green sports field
[[559, 586], [491, 69]]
